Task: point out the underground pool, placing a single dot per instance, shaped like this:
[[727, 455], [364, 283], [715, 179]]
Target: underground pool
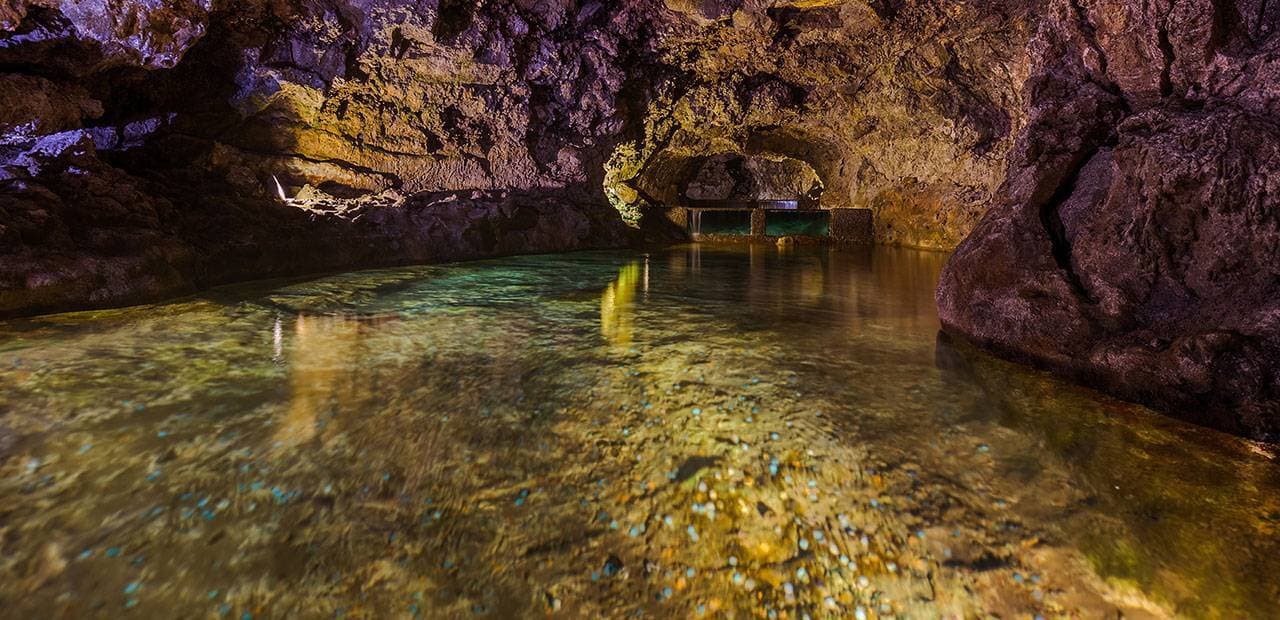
[[739, 430]]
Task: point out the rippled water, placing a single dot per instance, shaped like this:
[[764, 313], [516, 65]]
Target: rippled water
[[742, 432]]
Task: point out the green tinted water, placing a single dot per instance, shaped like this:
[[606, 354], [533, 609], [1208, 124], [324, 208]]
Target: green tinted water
[[728, 432]]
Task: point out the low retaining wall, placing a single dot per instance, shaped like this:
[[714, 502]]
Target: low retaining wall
[[845, 226]]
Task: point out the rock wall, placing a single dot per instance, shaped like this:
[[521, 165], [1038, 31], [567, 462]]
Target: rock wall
[[904, 107], [731, 177], [1136, 243], [151, 149], [145, 146]]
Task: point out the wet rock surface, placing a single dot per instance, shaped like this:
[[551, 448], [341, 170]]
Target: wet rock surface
[[1136, 242]]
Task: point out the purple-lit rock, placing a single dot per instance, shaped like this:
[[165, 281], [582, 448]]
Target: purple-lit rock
[[1136, 246]]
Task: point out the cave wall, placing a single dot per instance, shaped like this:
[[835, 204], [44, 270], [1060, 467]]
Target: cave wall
[[141, 142], [736, 178], [418, 96], [907, 108], [1136, 242]]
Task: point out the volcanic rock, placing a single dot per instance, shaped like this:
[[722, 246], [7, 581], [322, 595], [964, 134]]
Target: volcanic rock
[[1136, 243]]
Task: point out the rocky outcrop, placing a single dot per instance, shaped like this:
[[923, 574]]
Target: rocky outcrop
[[1136, 244]]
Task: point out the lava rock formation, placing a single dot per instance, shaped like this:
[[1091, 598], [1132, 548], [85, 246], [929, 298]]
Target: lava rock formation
[[1136, 242]]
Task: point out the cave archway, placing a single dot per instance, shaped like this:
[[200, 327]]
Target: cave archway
[[738, 178], [760, 163], [674, 178]]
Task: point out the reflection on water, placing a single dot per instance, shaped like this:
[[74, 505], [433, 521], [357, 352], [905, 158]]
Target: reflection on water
[[708, 431], [617, 303]]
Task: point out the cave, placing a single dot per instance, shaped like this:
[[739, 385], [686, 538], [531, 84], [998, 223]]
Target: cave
[[667, 308]]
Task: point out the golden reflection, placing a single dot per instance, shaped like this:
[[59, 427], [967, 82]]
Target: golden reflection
[[813, 281], [320, 381], [617, 304]]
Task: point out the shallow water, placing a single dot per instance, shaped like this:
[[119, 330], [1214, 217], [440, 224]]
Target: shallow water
[[732, 432]]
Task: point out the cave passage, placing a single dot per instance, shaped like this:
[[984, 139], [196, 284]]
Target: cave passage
[[780, 309]]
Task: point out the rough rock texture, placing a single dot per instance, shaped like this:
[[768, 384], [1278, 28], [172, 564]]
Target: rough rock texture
[[141, 143], [1136, 244], [904, 107], [144, 147], [731, 177]]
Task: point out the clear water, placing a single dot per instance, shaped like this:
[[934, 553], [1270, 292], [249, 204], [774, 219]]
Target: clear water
[[729, 432], [815, 223], [720, 222]]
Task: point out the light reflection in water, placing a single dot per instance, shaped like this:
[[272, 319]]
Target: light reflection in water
[[321, 354], [718, 431], [617, 313]]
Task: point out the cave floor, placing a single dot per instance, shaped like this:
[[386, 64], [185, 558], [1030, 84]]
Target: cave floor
[[741, 431]]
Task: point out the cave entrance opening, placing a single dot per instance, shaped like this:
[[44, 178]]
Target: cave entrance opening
[[736, 181], [771, 192], [733, 195]]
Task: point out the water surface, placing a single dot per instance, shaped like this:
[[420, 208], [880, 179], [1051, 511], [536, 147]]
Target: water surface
[[723, 431]]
